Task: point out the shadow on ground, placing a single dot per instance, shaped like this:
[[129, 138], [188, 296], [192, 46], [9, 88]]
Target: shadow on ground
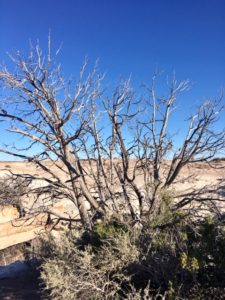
[[24, 288]]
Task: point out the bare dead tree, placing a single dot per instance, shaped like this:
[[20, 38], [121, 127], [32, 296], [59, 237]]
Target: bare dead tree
[[202, 143], [122, 110], [147, 150], [63, 123], [51, 114]]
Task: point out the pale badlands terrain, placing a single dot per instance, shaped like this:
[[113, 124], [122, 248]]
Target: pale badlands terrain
[[192, 176], [14, 230], [201, 173]]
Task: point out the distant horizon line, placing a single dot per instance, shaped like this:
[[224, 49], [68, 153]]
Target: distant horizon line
[[86, 159]]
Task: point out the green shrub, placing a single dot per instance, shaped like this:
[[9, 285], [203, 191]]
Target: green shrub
[[114, 261], [103, 232], [75, 272]]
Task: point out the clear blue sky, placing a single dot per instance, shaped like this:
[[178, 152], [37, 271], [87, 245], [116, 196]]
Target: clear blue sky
[[129, 36]]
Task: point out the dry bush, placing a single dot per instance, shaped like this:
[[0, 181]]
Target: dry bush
[[12, 189], [182, 261], [107, 263], [74, 271]]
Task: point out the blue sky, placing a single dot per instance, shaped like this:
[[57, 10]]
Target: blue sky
[[129, 37]]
